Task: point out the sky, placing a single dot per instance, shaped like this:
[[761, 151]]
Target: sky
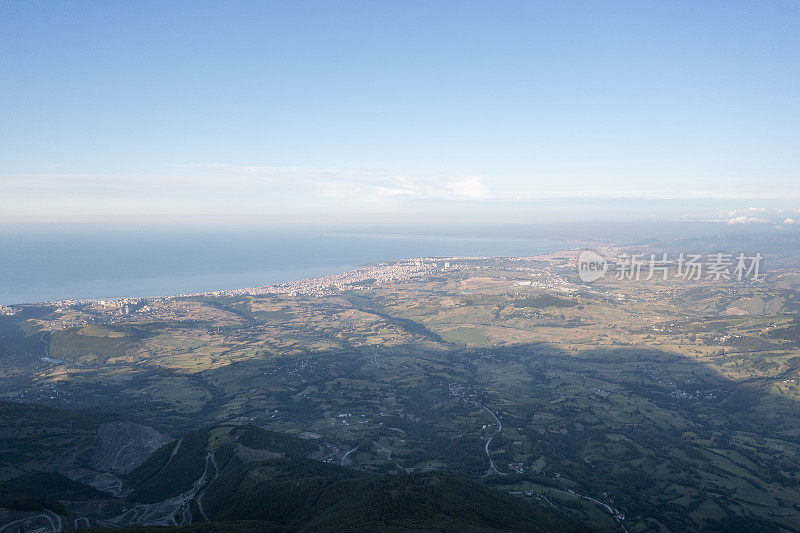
[[240, 111]]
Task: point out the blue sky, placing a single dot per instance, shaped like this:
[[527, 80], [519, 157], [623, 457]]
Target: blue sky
[[175, 110]]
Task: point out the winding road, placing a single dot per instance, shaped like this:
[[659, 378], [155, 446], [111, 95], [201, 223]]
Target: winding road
[[388, 453], [345, 456], [492, 467]]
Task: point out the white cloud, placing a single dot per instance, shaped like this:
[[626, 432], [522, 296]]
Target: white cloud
[[222, 188], [755, 215], [742, 219], [397, 186], [747, 212], [379, 188], [195, 189], [469, 187]]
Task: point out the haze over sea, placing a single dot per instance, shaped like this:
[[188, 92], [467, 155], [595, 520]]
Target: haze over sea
[[44, 266]]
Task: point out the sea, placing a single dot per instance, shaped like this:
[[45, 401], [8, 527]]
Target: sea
[[38, 266]]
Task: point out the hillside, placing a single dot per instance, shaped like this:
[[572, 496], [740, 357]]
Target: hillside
[[33, 436], [647, 404], [229, 477], [235, 473]]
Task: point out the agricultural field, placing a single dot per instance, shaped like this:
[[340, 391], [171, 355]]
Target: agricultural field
[[635, 404]]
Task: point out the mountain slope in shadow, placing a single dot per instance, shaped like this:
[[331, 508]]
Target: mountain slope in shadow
[[236, 478], [244, 473]]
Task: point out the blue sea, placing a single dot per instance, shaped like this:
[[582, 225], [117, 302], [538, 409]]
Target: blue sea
[[38, 266]]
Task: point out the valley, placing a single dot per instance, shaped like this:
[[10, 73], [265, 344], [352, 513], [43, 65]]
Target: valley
[[627, 405]]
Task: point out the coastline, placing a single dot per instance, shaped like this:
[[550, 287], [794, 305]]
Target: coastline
[[52, 268], [389, 271]]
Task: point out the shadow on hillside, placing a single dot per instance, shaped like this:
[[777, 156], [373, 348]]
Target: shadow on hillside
[[656, 434]]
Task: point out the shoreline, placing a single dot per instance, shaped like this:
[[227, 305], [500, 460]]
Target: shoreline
[[386, 272]]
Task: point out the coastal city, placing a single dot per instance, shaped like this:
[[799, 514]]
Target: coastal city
[[362, 278]]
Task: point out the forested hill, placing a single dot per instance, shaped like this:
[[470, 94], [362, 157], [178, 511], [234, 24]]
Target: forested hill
[[228, 477]]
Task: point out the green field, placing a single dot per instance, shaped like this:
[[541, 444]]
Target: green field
[[674, 404]]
